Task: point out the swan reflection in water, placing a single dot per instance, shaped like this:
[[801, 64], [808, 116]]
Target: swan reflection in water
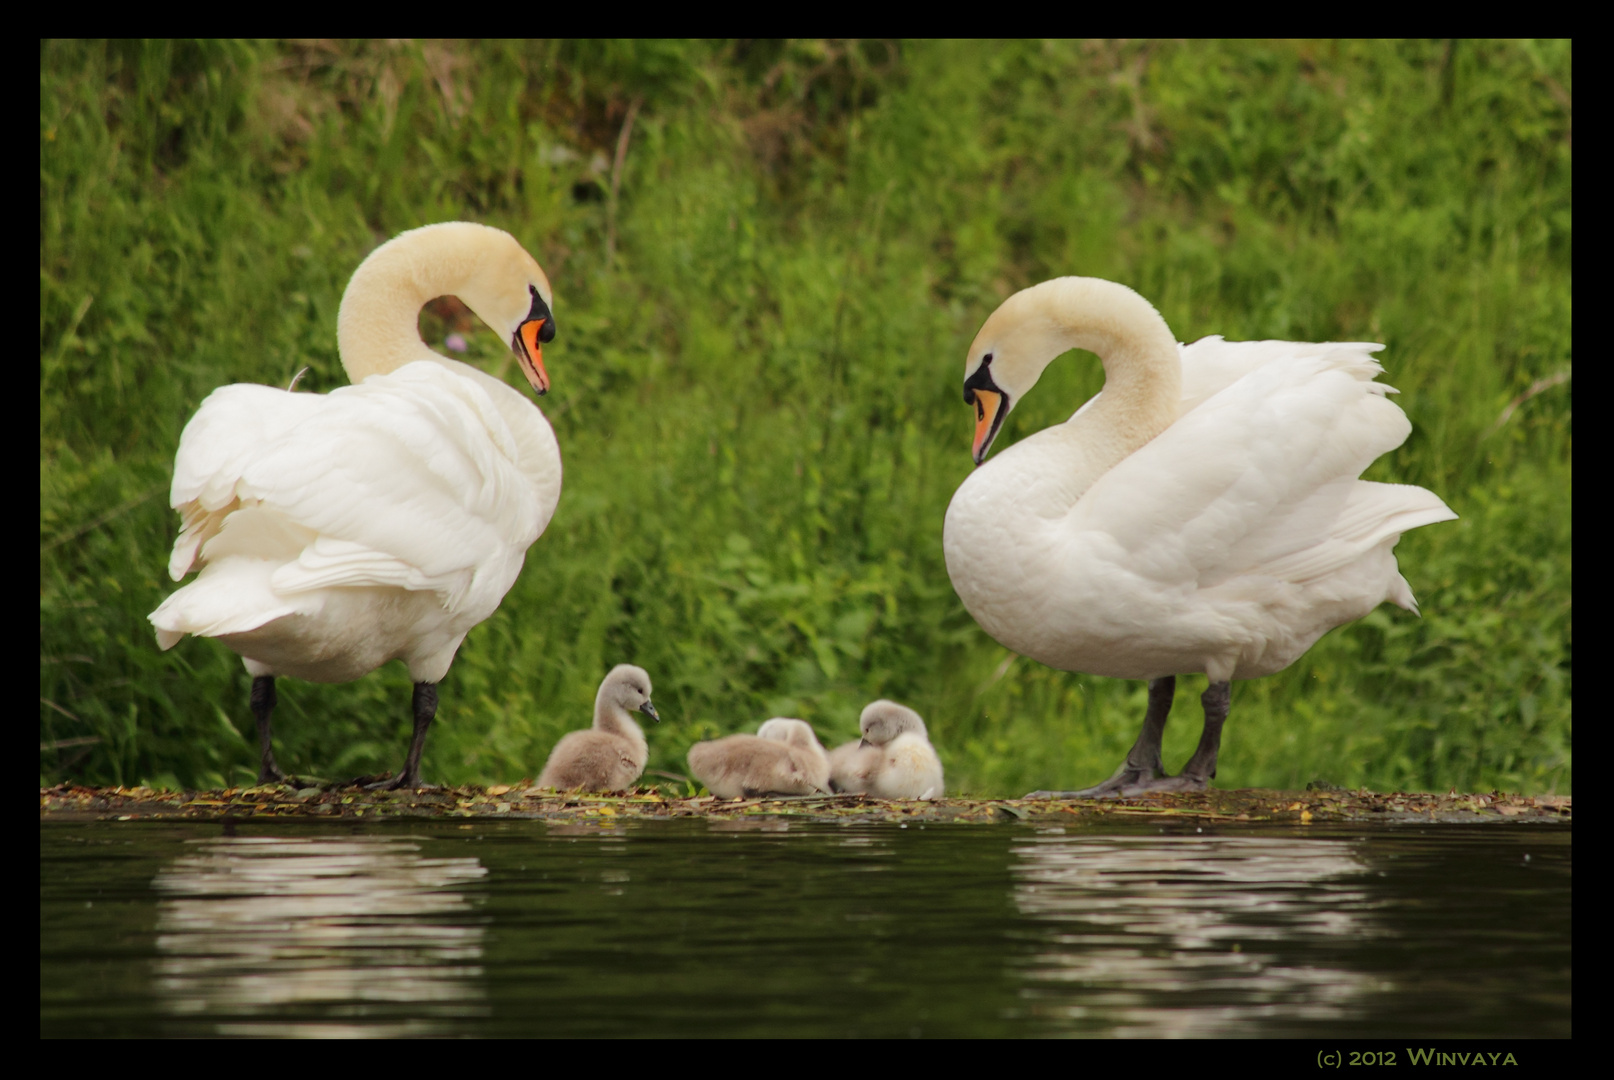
[[1179, 936], [318, 937]]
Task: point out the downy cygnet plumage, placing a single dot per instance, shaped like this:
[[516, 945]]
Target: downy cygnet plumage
[[611, 755], [893, 760], [744, 766], [799, 736]]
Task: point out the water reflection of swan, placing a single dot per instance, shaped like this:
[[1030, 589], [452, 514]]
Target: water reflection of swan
[[253, 931], [1190, 936]]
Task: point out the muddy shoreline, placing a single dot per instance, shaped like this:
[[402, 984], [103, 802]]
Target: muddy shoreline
[[69, 802]]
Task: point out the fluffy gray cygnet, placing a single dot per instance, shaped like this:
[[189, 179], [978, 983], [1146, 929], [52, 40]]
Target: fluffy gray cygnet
[[798, 735], [611, 755], [783, 758], [893, 760]]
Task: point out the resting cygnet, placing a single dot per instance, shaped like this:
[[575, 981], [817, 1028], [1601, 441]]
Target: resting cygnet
[[894, 759], [852, 766], [798, 735], [611, 755], [743, 766]]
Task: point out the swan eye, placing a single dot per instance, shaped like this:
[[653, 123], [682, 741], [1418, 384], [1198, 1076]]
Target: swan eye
[[980, 379], [540, 311]]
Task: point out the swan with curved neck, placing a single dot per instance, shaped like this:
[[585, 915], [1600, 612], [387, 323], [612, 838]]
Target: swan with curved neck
[[382, 521], [376, 326], [1203, 513]]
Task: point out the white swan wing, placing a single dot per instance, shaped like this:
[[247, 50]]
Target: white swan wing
[[1260, 478], [409, 480], [1212, 364], [219, 442]]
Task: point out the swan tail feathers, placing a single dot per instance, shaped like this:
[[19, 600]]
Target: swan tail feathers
[[1409, 507], [1399, 508], [250, 532], [198, 527], [327, 563], [227, 598], [1373, 516], [1401, 596], [201, 525]]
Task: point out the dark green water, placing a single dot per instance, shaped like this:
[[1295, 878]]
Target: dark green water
[[749, 928]]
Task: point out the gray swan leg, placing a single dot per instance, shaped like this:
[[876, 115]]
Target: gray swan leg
[[263, 707], [1142, 764], [1196, 775], [1142, 770], [425, 703]]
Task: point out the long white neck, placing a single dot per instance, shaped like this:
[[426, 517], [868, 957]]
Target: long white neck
[[1142, 366], [377, 328], [1006, 536]]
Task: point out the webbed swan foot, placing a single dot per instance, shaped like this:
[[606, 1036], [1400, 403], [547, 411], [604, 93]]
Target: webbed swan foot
[[1121, 786], [1126, 781], [402, 782], [1141, 772], [1182, 782]]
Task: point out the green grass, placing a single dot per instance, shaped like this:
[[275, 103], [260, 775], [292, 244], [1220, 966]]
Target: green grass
[[756, 393]]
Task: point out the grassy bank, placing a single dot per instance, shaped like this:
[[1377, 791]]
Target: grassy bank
[[764, 289]]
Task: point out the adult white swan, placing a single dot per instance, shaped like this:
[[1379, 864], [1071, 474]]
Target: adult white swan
[[381, 521], [1201, 514]]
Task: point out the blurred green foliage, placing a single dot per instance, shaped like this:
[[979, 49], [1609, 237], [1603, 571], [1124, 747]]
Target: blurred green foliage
[[764, 291]]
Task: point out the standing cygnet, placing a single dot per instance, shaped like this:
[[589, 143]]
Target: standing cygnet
[[798, 735], [894, 760], [743, 766], [611, 755]]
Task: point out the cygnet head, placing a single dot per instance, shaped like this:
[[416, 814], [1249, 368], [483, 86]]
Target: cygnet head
[[796, 733], [884, 720], [626, 687]]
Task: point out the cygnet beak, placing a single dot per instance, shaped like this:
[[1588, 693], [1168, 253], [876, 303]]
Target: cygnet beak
[[650, 710]]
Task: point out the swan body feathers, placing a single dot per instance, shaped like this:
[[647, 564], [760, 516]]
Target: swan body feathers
[[383, 520], [406, 483], [1224, 535]]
